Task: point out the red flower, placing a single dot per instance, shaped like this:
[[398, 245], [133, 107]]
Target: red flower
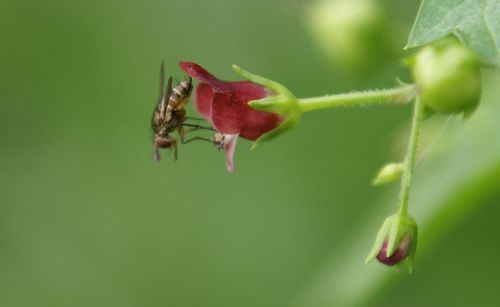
[[225, 105]]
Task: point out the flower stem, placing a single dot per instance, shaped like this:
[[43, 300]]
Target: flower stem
[[400, 95], [409, 163]]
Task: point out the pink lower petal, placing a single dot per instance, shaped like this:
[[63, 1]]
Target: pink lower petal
[[229, 148]]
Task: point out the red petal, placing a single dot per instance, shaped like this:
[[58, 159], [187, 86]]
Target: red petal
[[256, 123], [225, 113], [252, 123], [200, 73], [203, 101]]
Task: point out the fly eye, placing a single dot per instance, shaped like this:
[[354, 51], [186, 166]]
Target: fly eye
[[163, 143]]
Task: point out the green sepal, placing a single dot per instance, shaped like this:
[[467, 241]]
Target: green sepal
[[404, 225], [394, 238], [379, 240], [281, 101], [413, 249], [277, 87], [275, 104]]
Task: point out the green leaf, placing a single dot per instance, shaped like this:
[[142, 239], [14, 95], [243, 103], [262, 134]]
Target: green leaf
[[474, 22], [460, 171]]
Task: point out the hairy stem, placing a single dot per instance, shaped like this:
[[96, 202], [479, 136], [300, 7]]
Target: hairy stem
[[400, 95], [409, 163]]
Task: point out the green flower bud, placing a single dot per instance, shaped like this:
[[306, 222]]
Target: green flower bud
[[388, 173], [396, 241], [448, 77], [352, 33]]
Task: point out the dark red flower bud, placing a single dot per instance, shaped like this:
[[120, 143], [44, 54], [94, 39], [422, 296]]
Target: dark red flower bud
[[396, 241], [225, 105], [399, 255]]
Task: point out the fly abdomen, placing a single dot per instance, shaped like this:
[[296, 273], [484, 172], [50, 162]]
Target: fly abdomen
[[180, 94]]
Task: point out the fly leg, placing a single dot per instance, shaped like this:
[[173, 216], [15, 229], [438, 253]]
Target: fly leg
[[174, 147], [196, 127], [217, 140], [198, 138], [181, 132], [156, 153], [194, 118]]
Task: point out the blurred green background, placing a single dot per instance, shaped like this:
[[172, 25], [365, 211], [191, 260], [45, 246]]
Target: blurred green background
[[88, 219]]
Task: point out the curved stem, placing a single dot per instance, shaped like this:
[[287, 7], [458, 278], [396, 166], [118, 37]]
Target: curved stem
[[400, 95], [409, 163]]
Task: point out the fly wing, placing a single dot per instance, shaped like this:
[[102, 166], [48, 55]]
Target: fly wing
[[169, 89], [161, 108], [190, 89], [162, 80]]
